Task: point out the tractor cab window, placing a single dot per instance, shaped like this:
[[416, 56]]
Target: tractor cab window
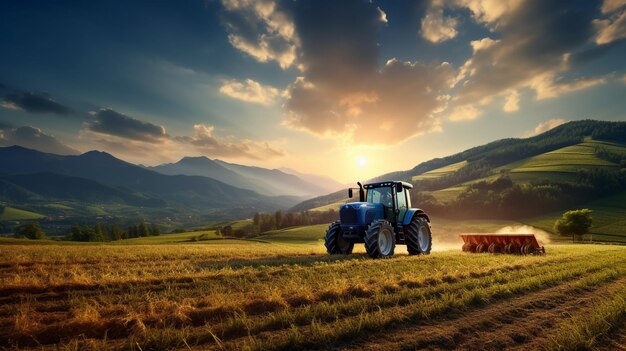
[[402, 205], [380, 196]]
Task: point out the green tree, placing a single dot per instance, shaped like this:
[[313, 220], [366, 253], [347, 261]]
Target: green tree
[[30, 231], [576, 222], [155, 230], [99, 230], [227, 231], [144, 230], [279, 218], [116, 232]]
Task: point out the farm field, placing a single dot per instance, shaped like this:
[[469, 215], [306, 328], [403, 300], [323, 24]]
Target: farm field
[[284, 292]]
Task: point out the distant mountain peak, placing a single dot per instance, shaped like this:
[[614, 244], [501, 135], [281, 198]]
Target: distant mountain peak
[[194, 159]]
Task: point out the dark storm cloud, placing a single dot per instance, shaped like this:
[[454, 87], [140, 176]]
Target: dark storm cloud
[[35, 102], [34, 138], [108, 121]]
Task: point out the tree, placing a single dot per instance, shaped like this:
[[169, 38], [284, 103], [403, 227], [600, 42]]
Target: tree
[[155, 230], [576, 222], [116, 232], [30, 231], [99, 230], [144, 230], [227, 231]]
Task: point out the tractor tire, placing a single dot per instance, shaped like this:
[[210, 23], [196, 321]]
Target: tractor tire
[[380, 240], [418, 237], [334, 242]]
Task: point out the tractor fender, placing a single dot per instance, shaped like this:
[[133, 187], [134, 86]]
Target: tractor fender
[[412, 212]]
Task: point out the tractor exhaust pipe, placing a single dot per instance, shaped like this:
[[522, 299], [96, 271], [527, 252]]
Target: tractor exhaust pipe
[[361, 192]]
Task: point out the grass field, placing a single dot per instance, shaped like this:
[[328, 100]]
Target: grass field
[[14, 214], [609, 219], [287, 293]]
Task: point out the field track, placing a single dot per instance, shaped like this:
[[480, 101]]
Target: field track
[[203, 297]]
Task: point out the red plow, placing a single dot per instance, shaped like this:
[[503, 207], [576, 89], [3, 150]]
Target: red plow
[[524, 244]]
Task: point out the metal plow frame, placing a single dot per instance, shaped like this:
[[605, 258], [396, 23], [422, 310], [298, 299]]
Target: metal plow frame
[[524, 244]]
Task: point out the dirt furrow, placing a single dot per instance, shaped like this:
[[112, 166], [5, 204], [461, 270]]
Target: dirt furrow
[[520, 323]]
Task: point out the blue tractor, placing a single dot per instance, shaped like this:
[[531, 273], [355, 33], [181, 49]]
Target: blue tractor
[[382, 218]]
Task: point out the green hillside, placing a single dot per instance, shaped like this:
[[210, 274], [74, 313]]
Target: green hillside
[[15, 214], [561, 165], [440, 172], [609, 219], [566, 160]]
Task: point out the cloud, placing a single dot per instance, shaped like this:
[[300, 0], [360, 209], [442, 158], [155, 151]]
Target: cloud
[[206, 142], [34, 102], [535, 57], [549, 87], [383, 15], [546, 126], [108, 121], [611, 29], [609, 6], [250, 91], [262, 30], [436, 27], [464, 113], [511, 103], [344, 93], [34, 138]]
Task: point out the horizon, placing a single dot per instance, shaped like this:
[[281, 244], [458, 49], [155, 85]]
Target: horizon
[[349, 90]]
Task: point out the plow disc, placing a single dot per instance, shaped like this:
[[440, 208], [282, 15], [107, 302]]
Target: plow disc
[[522, 244]]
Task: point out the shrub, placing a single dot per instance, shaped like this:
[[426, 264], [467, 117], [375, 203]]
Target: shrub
[[30, 231]]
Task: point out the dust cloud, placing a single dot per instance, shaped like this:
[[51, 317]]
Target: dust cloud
[[542, 236]]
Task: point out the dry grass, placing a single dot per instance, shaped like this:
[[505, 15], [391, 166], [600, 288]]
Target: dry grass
[[237, 295]]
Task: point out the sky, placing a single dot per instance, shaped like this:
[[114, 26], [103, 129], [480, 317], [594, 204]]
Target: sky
[[348, 89]]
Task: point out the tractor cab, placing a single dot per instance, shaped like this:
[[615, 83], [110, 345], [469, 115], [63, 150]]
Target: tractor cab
[[382, 218], [393, 196]]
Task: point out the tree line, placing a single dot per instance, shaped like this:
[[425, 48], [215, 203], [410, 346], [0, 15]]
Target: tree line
[[264, 222], [97, 233]]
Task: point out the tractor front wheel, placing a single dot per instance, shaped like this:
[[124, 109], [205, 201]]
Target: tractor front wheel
[[334, 241], [418, 237], [380, 239]]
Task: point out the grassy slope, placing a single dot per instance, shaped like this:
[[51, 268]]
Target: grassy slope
[[14, 214], [559, 165], [609, 218], [440, 172]]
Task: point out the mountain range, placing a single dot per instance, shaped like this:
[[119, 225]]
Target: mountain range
[[34, 180], [271, 182]]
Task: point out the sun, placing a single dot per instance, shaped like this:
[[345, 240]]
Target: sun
[[362, 161]]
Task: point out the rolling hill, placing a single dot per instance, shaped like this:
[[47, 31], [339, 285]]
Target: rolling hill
[[571, 159], [95, 177]]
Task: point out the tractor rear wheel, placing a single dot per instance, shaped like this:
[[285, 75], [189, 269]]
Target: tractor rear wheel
[[334, 241], [418, 237], [380, 240]]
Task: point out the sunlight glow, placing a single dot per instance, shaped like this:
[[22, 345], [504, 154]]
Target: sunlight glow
[[362, 161]]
